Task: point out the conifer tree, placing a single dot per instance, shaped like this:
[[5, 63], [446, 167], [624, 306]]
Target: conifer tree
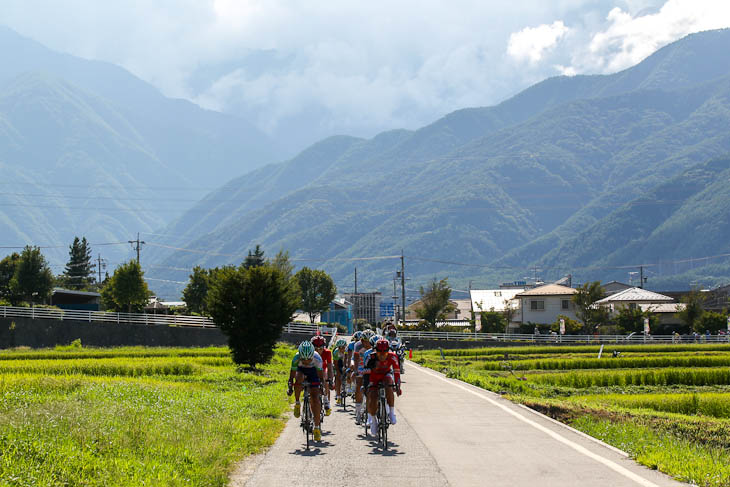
[[79, 271]]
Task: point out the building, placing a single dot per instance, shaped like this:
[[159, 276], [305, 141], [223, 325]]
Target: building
[[494, 300], [340, 311], [365, 306], [460, 316], [632, 298], [542, 305], [78, 300], [614, 287]]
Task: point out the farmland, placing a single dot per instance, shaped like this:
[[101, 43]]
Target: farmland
[[667, 406], [133, 416]]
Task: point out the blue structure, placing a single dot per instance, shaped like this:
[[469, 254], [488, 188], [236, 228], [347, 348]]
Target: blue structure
[[340, 311]]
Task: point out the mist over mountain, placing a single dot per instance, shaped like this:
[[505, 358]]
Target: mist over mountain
[[88, 149], [496, 191]]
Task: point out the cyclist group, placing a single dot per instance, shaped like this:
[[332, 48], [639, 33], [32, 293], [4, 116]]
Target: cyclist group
[[362, 365]]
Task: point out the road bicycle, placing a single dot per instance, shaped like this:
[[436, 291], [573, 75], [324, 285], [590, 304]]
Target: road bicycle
[[307, 421], [383, 416], [343, 389]]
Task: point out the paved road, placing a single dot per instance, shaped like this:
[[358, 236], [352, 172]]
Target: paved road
[[448, 433]]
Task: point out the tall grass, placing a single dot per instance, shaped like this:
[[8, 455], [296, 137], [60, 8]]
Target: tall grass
[[652, 377], [559, 349], [131, 421], [715, 405]]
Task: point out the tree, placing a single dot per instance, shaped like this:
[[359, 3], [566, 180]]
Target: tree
[[254, 259], [493, 322], [435, 304], [692, 311], [79, 271], [196, 291], [584, 299], [251, 306], [7, 271], [126, 290], [32, 276], [317, 290], [631, 319], [281, 261], [709, 320], [571, 326]]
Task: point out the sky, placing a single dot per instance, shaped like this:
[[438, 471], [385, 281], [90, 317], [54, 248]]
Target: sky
[[303, 70]]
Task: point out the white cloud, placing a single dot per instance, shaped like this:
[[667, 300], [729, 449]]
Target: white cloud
[[531, 43], [629, 39]]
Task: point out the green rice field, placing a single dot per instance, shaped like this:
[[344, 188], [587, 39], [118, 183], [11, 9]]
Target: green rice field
[[134, 416], [668, 406]]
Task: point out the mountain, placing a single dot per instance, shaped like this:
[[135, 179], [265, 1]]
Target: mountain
[[86, 148]]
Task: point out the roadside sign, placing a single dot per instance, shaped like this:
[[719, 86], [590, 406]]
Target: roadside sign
[[646, 325], [387, 310], [562, 325]]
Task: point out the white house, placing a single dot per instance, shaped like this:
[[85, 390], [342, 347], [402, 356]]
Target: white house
[[542, 305], [632, 298]]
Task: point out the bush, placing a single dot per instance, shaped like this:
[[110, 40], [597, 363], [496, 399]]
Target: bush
[[711, 321]]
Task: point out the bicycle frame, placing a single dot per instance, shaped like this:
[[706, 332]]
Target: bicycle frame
[[307, 422]]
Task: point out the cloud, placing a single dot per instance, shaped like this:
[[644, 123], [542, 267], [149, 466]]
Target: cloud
[[629, 39], [531, 43]]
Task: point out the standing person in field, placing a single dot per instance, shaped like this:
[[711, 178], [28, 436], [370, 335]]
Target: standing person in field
[[307, 365], [319, 347]]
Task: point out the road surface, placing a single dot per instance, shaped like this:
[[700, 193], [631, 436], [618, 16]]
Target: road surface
[[448, 434]]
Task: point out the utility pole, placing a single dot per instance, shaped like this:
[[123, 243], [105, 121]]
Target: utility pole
[[136, 244], [403, 286], [98, 266], [641, 276]]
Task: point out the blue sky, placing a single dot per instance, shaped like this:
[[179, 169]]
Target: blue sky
[[307, 69]]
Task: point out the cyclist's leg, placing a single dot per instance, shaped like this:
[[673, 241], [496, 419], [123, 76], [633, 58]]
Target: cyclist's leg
[[373, 405], [358, 398], [299, 378], [390, 397], [316, 405]]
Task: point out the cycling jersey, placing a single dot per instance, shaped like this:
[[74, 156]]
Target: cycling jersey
[[311, 371], [326, 358], [380, 369], [358, 356]]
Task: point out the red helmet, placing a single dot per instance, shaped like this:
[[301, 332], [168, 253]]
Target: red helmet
[[318, 341], [382, 345]]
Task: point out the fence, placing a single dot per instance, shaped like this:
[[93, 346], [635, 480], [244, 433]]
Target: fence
[[306, 329], [567, 339], [102, 316]]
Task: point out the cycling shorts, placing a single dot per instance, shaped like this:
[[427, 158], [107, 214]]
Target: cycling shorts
[[310, 374], [340, 366], [376, 378]]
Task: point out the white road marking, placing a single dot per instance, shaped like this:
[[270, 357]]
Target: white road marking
[[610, 464]]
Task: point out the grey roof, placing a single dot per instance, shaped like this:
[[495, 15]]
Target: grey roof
[[548, 290], [635, 295], [60, 290]]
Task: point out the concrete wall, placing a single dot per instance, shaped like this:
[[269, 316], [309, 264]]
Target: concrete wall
[[49, 333]]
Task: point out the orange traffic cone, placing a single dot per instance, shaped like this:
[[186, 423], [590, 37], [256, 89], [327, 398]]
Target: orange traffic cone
[[410, 353]]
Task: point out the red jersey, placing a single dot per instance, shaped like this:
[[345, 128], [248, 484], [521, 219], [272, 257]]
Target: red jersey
[[380, 368], [326, 358]]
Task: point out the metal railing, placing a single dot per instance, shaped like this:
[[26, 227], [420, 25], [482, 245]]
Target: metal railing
[[308, 329], [104, 317], [567, 339]]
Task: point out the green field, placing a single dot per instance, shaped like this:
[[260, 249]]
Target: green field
[[134, 416], [668, 406]]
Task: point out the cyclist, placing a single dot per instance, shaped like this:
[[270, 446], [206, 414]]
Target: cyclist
[[360, 348], [319, 346], [366, 374], [351, 360], [390, 332], [383, 367], [339, 356], [307, 364]]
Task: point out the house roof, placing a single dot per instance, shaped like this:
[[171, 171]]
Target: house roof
[[635, 294], [486, 299], [548, 290], [662, 307], [58, 290]]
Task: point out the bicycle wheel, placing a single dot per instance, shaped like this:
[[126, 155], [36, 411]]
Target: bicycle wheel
[[383, 424], [308, 430]]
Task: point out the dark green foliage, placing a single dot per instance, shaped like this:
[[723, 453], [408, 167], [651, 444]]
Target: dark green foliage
[[591, 316], [196, 292], [317, 290], [630, 320], [251, 306], [126, 290], [32, 279], [434, 304], [693, 310], [7, 271], [493, 322], [572, 327], [79, 271], [255, 258], [711, 321]]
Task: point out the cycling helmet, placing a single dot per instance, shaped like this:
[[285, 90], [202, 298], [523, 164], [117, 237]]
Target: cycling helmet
[[318, 341], [357, 336], [367, 335], [306, 350], [382, 345], [374, 339], [391, 333], [340, 343]]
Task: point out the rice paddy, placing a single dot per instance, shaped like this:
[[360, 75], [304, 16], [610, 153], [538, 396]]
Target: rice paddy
[[668, 406], [134, 416]]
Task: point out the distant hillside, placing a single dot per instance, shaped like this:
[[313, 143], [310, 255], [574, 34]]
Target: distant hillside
[[509, 185], [88, 149]]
